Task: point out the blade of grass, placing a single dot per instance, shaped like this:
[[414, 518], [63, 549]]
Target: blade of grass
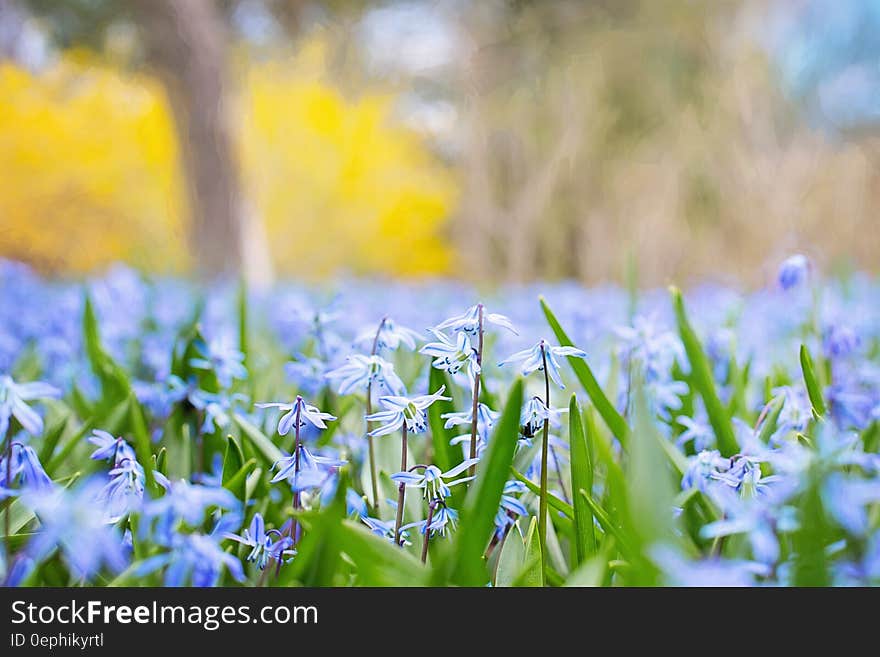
[[581, 478], [814, 390], [703, 380], [615, 421], [467, 566]]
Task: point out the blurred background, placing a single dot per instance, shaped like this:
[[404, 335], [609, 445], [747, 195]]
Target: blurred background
[[491, 140]]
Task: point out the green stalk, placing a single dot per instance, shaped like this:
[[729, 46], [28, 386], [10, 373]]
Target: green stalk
[[294, 527], [401, 488], [472, 471], [374, 480], [431, 507], [542, 507]]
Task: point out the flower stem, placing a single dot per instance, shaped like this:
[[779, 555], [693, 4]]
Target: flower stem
[[294, 527], [476, 402], [542, 507], [430, 519], [373, 478], [401, 488], [7, 547]]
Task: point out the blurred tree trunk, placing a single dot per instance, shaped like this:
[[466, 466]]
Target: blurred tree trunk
[[185, 43]]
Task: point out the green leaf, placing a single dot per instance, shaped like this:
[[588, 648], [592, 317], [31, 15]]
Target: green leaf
[[615, 421], [234, 474], [552, 500], [812, 537], [814, 390], [142, 445], [68, 445], [178, 443], [510, 561], [378, 562], [445, 455], [581, 479], [52, 435], [531, 573], [115, 385], [650, 486], [771, 419], [237, 482], [20, 515], [702, 379], [265, 447], [319, 551], [468, 567], [591, 572], [160, 461], [605, 522]]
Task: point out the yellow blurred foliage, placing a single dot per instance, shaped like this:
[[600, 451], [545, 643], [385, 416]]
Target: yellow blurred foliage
[[88, 169], [338, 185], [89, 172]]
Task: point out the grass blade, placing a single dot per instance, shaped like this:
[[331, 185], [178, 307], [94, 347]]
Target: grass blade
[[445, 455], [581, 479], [814, 390], [484, 496], [703, 380], [615, 421]]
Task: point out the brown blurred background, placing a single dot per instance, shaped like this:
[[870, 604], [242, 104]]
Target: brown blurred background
[[494, 140]]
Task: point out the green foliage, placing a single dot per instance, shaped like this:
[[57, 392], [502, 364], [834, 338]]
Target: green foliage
[[702, 379], [615, 421]]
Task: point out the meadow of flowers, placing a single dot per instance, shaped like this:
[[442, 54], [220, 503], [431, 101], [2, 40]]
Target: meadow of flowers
[[383, 434]]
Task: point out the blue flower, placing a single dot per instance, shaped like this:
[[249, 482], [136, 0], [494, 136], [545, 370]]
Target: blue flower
[[760, 522], [704, 469], [359, 371], [390, 336], [839, 341], [25, 465], [793, 271], [109, 447], [355, 504], [510, 508], [385, 529], [443, 520], [486, 419], [796, 410], [469, 321], [310, 472], [265, 545], [697, 432], [681, 571], [532, 359], [124, 493], [864, 571], [186, 502], [195, 559], [307, 373], [656, 349], [404, 410], [12, 403], [223, 359], [216, 408], [665, 395], [451, 357], [434, 482], [847, 499], [69, 523], [533, 414], [306, 412]]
